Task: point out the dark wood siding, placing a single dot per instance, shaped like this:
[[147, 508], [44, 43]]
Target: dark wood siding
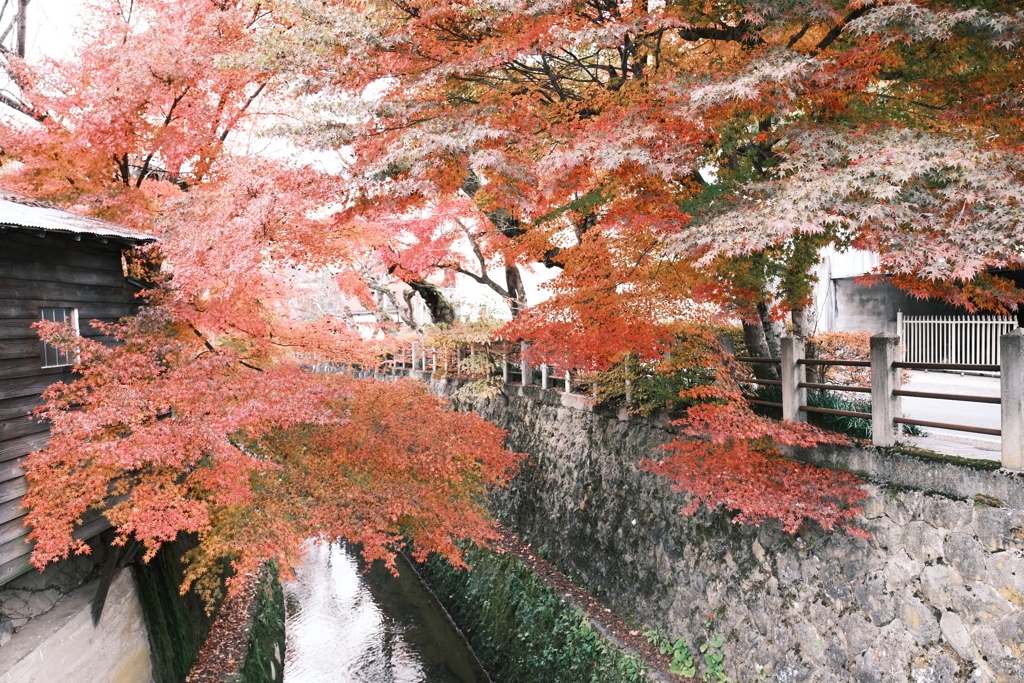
[[43, 272]]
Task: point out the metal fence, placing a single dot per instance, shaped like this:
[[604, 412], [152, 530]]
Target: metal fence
[[953, 339]]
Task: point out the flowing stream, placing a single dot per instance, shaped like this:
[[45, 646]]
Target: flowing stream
[[347, 626]]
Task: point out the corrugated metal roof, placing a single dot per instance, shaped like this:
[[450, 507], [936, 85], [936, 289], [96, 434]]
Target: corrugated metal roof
[[22, 212]]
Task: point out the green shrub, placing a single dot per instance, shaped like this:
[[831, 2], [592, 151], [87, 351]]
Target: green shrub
[[856, 427], [520, 628]]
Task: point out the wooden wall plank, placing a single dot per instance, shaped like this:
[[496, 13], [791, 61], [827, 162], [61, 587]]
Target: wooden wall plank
[[15, 328], [11, 468], [11, 509], [13, 489], [14, 549], [21, 426], [26, 386], [54, 246], [19, 348], [20, 447], [113, 309], [48, 291], [15, 568], [12, 530], [50, 272], [19, 407], [11, 368], [15, 555]]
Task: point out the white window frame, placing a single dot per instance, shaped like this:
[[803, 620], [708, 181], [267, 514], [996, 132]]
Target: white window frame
[[53, 357]]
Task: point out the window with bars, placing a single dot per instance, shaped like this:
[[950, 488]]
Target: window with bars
[[52, 356]]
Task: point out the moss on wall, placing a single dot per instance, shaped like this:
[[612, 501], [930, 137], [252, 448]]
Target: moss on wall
[[264, 663], [520, 628], [177, 624]]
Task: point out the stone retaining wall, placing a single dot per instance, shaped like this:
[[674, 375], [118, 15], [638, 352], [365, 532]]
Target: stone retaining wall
[[937, 593]]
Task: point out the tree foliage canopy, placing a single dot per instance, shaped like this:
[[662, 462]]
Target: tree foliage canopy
[[662, 156]]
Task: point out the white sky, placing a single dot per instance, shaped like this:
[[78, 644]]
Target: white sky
[[51, 26]]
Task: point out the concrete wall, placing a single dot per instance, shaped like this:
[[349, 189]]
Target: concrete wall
[[62, 646], [853, 307], [936, 595], [35, 593]]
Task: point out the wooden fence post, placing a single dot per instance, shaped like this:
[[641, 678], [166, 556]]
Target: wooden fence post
[[1011, 390], [885, 350], [415, 355], [524, 365], [792, 374]]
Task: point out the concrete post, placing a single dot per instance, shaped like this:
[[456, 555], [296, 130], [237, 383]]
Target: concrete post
[[885, 350], [524, 350], [545, 380], [433, 361], [792, 396], [504, 368], [1011, 351], [415, 356], [568, 382], [627, 366]]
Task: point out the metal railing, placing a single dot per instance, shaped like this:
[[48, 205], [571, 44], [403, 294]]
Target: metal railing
[[972, 340]]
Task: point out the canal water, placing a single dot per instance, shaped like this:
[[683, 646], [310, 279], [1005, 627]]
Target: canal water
[[346, 626]]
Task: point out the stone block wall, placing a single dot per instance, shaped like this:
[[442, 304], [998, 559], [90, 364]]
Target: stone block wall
[[937, 593]]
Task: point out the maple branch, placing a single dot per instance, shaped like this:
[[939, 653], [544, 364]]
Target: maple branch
[[838, 29], [238, 116], [212, 349], [914, 102], [23, 108], [795, 38], [484, 278], [167, 121], [475, 245], [736, 34], [19, 80]]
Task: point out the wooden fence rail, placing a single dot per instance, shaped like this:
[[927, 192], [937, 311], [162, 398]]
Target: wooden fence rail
[[886, 411]]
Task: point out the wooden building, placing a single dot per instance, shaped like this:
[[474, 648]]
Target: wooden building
[[56, 265]]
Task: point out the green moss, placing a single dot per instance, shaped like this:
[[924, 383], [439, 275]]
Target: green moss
[[264, 661], [981, 500], [521, 629], [177, 624], [987, 465]]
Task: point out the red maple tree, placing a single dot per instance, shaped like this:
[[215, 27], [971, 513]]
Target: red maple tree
[[657, 156]]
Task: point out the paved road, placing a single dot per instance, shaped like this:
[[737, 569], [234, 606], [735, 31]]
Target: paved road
[[965, 444]]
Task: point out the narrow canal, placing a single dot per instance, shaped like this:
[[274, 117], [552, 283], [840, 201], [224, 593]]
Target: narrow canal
[[347, 626]]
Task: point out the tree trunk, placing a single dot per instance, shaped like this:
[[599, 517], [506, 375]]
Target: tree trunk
[[803, 321], [441, 310], [516, 291], [772, 330], [754, 338]]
